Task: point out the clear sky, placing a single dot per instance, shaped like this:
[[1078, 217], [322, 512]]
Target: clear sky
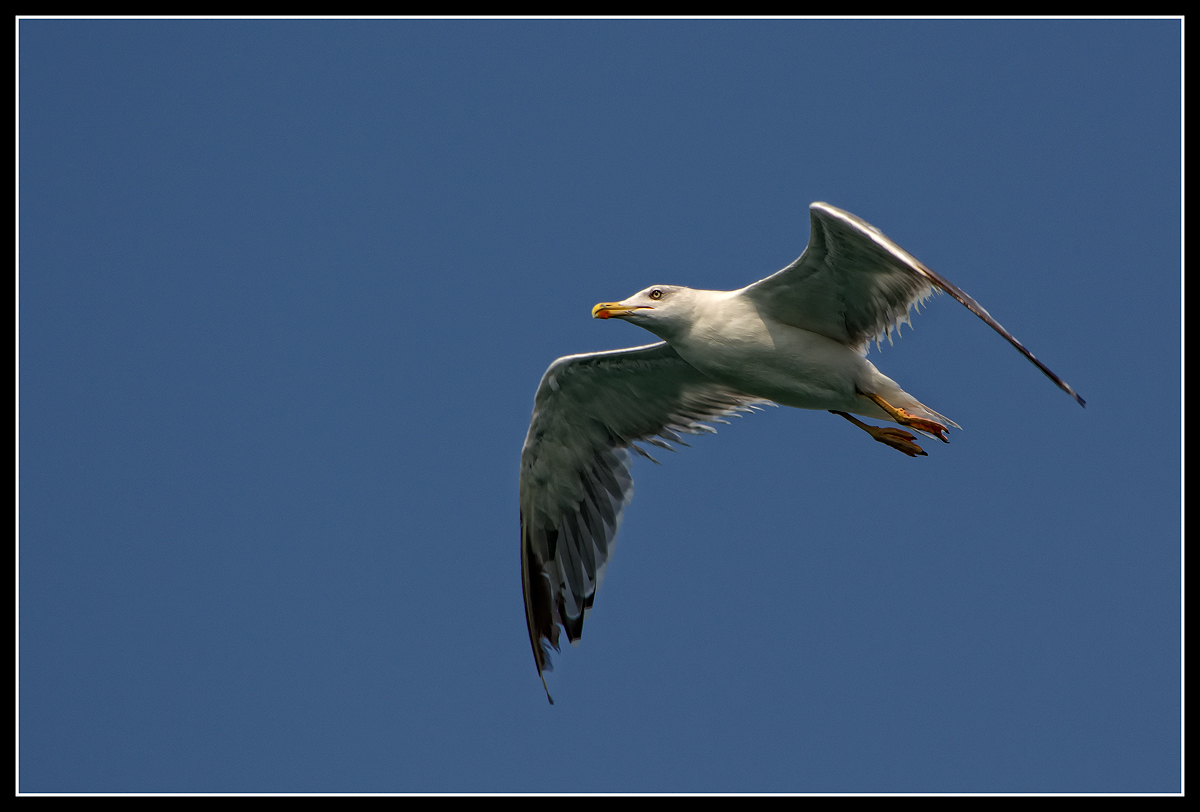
[[286, 289]]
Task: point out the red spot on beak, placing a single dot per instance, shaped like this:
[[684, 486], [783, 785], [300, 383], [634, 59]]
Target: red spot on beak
[[602, 314]]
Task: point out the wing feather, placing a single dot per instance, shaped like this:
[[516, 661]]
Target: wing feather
[[589, 411], [854, 285]]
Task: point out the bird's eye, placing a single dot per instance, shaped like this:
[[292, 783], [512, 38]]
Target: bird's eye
[[656, 294]]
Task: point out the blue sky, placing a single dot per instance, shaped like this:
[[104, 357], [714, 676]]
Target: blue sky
[[286, 289]]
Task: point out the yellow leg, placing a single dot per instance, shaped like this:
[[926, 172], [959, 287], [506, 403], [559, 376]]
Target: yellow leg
[[906, 419], [898, 439]]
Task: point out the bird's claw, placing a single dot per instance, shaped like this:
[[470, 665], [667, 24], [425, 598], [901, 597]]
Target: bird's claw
[[907, 418], [921, 424], [899, 439]]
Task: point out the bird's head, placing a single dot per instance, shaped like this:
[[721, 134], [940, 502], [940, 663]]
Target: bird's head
[[661, 309]]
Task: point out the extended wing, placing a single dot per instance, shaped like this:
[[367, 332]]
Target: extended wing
[[853, 284], [575, 481]]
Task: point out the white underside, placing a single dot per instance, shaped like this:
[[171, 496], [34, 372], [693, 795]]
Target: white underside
[[733, 344]]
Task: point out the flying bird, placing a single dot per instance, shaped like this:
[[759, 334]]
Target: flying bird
[[797, 338]]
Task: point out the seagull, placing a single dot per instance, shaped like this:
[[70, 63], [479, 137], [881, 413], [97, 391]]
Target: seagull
[[797, 338]]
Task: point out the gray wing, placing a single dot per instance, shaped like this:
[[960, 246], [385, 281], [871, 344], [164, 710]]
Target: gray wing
[[853, 284], [589, 411]]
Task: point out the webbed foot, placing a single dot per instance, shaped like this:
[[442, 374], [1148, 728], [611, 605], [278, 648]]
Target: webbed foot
[[899, 439], [906, 418]]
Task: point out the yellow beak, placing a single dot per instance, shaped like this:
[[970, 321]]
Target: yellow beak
[[606, 310]]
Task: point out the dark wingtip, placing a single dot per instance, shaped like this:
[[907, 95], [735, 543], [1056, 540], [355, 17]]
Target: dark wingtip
[[1064, 386]]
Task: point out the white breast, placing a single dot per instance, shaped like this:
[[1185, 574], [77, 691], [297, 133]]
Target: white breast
[[732, 343]]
